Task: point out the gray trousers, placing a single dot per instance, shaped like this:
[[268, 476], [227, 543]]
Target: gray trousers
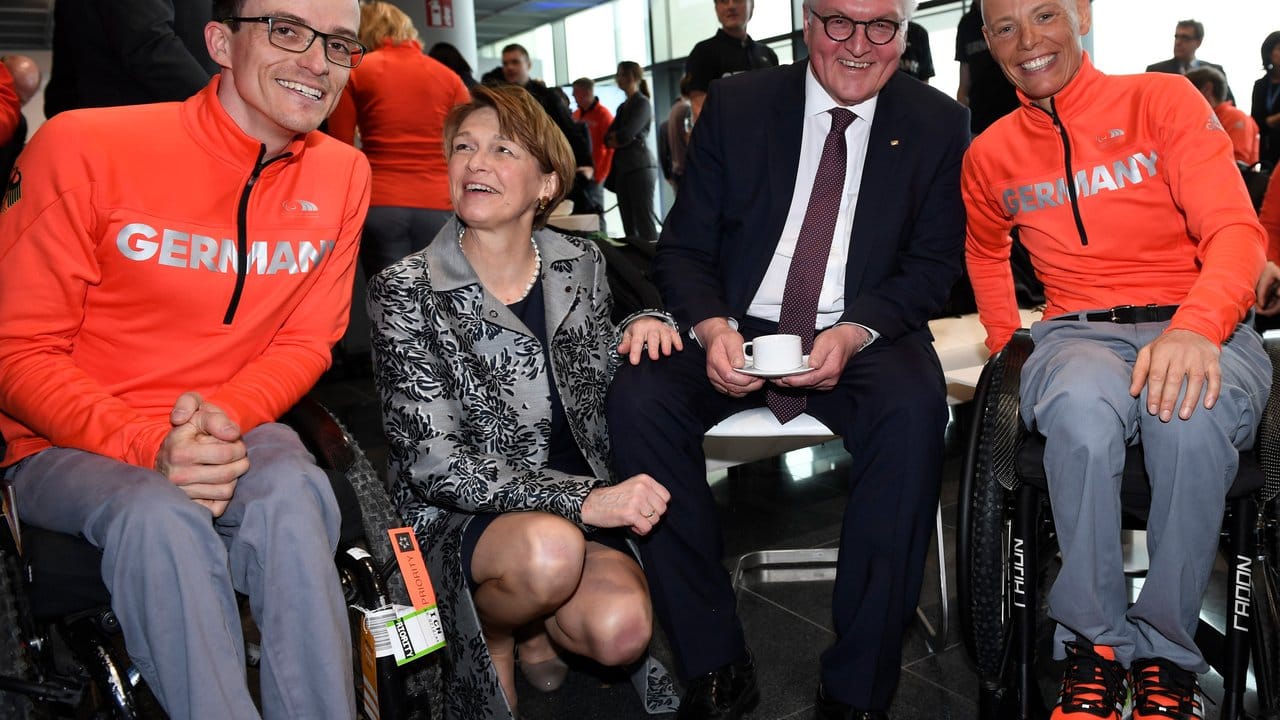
[[173, 573], [1075, 391]]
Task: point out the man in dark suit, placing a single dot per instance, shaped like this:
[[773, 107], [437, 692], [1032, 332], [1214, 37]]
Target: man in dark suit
[[1187, 37], [873, 215]]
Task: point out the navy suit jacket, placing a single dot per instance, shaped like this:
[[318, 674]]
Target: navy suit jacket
[[907, 244]]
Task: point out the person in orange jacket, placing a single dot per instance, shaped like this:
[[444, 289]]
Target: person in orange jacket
[[1125, 192], [398, 98], [1241, 128], [174, 277]]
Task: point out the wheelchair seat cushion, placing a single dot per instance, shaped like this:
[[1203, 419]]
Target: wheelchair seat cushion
[[64, 573]]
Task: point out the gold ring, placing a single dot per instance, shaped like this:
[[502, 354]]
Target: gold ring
[[649, 514]]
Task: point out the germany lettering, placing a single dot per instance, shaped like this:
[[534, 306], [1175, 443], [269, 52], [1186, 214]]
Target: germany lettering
[[1118, 175], [173, 248]]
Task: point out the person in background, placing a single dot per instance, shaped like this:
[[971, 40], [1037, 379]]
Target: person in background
[[678, 127], [1147, 282], [983, 87], [19, 82], [1268, 289], [635, 170], [452, 58], [592, 113], [1241, 128], [493, 350], [917, 59], [1266, 102], [126, 52], [397, 100], [729, 52], [145, 358], [1187, 37]]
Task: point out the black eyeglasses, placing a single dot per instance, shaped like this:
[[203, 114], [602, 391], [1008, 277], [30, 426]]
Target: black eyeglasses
[[839, 28], [297, 37]]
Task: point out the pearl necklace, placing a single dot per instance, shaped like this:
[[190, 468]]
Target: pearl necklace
[[537, 266]]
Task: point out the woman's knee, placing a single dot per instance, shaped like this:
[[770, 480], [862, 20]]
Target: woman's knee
[[543, 556], [618, 632]]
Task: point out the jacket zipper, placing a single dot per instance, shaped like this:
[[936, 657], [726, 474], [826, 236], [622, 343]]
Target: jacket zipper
[[242, 231], [1071, 180]]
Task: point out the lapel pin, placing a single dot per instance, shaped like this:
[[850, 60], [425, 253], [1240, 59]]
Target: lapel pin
[[894, 143]]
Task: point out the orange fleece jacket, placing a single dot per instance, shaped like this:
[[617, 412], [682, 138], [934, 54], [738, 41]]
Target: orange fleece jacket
[[598, 119], [1269, 216], [1242, 130], [1147, 206], [119, 269], [399, 98]]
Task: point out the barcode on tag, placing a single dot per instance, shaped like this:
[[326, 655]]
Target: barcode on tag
[[377, 621]]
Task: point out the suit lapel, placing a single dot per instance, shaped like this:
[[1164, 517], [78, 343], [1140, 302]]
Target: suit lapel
[[880, 170], [785, 134]]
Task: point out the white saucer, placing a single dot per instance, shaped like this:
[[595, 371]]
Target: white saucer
[[804, 368]]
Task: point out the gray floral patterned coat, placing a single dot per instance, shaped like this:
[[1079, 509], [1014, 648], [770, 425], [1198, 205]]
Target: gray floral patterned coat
[[466, 409]]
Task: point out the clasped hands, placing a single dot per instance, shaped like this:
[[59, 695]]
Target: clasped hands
[[204, 453], [832, 349]]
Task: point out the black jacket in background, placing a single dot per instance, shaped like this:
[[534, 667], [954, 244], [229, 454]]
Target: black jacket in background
[[125, 52]]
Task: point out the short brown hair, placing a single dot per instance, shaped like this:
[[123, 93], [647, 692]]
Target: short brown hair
[[382, 21], [522, 119]]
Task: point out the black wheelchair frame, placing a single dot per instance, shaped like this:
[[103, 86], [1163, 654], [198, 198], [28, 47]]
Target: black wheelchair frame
[[1005, 544], [69, 663]]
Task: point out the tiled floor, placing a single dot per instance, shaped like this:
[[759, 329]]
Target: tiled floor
[[792, 501]]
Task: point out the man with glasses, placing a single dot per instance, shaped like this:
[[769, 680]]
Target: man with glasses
[[729, 52], [174, 277], [1124, 191], [820, 199], [1187, 37]]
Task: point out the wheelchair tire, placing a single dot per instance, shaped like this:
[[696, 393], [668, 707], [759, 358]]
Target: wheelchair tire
[[15, 659], [988, 476]]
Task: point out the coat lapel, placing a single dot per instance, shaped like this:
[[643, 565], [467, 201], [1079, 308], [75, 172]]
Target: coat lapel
[[785, 135], [562, 274], [880, 171]]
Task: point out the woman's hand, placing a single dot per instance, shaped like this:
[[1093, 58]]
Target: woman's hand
[[652, 333], [637, 502]]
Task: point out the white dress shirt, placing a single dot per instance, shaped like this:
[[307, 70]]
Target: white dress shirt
[[767, 303]]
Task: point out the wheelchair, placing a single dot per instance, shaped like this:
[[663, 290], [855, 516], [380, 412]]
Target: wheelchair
[[60, 650], [1006, 551]]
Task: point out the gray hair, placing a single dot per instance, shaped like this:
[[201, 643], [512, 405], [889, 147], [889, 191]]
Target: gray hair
[[908, 9]]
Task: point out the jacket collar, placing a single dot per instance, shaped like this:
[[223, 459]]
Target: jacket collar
[[450, 270], [208, 123], [1074, 97]]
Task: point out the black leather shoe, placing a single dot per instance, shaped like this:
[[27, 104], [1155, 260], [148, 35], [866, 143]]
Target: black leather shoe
[[724, 694], [831, 709]]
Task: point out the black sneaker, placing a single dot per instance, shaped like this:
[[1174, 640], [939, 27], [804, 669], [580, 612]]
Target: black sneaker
[[1093, 685], [1164, 691]]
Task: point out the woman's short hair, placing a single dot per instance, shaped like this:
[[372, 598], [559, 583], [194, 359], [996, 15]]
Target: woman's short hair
[[521, 118], [382, 21], [1267, 45]]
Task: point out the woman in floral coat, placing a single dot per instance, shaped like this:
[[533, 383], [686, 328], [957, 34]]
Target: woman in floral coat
[[493, 352]]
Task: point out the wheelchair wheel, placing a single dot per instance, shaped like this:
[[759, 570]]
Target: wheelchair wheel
[[15, 658], [988, 476]]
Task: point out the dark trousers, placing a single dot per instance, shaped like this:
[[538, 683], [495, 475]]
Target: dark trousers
[[890, 409], [391, 233], [635, 203]]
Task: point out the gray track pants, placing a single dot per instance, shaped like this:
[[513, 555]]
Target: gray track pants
[[1075, 391], [171, 572]]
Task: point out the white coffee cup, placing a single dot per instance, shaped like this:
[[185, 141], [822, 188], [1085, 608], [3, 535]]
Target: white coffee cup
[[774, 352]]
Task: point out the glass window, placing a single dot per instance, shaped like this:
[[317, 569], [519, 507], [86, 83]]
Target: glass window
[[941, 24], [1233, 34], [591, 51]]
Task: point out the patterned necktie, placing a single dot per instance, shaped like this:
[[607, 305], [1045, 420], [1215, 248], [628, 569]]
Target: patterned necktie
[[799, 311]]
